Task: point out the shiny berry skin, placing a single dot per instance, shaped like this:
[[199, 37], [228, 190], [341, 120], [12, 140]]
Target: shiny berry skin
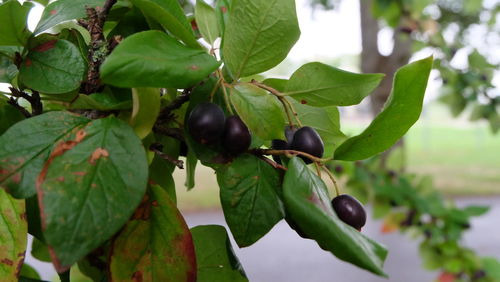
[[350, 211], [236, 138], [307, 140], [206, 123]]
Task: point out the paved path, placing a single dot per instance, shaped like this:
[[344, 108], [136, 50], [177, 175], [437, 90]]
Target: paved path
[[283, 256]]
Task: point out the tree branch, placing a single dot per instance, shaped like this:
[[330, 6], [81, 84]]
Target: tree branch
[[168, 131], [175, 104], [98, 47], [157, 148]]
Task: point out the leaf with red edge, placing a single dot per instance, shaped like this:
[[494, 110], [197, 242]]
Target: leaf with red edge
[[89, 187], [13, 236], [155, 245]]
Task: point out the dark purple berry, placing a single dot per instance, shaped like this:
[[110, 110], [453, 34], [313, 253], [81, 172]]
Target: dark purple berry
[[307, 140], [350, 211], [237, 138], [206, 123]]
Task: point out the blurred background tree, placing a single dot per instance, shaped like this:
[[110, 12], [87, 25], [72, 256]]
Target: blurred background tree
[[455, 30]]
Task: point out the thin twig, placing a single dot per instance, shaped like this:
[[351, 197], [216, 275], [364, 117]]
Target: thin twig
[[337, 190], [170, 132], [175, 104], [288, 153], [272, 163], [157, 148], [12, 101]]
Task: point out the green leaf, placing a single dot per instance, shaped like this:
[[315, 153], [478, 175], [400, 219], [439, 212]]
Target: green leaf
[[402, 110], [308, 203], [13, 24], [155, 245], [64, 10], [102, 102], [326, 121], [476, 210], [25, 146], [40, 251], [8, 70], [258, 35], [89, 187], [13, 235], [169, 14], [260, 111], [29, 272], [492, 267], [154, 59], [191, 162], [249, 199], [145, 110], [206, 21], [214, 255], [321, 85], [53, 67], [222, 11], [9, 116]]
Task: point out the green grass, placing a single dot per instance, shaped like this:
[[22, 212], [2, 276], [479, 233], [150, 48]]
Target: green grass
[[463, 158]]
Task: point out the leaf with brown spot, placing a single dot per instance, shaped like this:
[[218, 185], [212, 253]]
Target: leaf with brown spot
[[159, 248], [308, 205], [85, 210], [25, 147], [249, 198], [13, 236]]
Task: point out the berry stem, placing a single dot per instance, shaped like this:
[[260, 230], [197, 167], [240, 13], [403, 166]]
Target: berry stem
[[284, 101], [289, 153], [332, 178]]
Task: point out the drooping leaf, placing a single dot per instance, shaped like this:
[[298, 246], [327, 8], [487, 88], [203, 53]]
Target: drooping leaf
[[169, 14], [206, 21], [65, 10], [88, 188], [258, 35], [476, 210], [249, 199], [261, 111], [13, 24], [155, 245], [191, 162], [154, 59], [321, 85], [145, 110], [13, 236], [29, 272], [326, 121], [308, 204], [214, 255], [402, 110], [53, 67], [21, 161]]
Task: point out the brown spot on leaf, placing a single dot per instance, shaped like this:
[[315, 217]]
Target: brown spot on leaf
[[303, 102], [53, 12], [223, 9], [7, 262], [194, 67], [256, 177], [60, 179], [45, 46], [143, 211], [23, 216], [16, 178], [27, 62], [97, 154], [93, 185], [137, 276], [154, 203], [79, 173], [194, 25], [56, 262], [19, 263], [152, 182], [60, 149]]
